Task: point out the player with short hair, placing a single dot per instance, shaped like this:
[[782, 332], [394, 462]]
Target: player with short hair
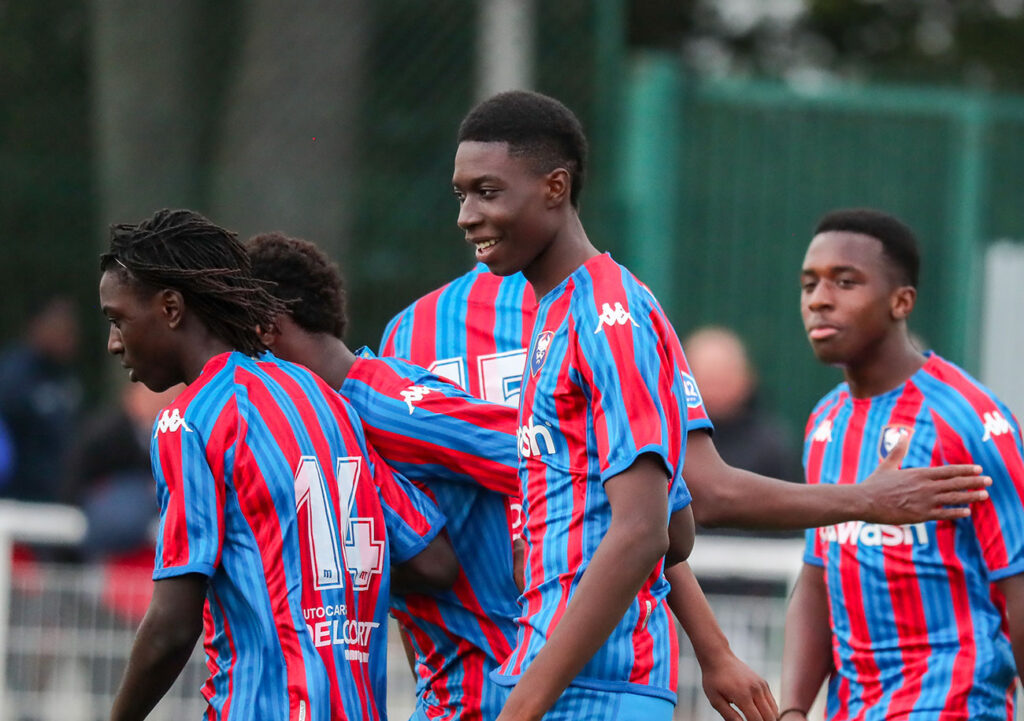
[[272, 505], [922, 621], [460, 450], [601, 426]]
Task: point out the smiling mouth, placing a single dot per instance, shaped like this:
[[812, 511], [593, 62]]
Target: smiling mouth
[[485, 244]]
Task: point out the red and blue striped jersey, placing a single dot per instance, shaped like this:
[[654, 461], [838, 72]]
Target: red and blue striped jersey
[[267, 486], [472, 331], [919, 631], [605, 382], [455, 447]]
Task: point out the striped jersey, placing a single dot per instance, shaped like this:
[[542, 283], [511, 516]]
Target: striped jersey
[[455, 447], [919, 629], [267, 486], [605, 382], [472, 331]]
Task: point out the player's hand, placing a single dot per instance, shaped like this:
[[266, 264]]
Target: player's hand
[[730, 684], [913, 495]]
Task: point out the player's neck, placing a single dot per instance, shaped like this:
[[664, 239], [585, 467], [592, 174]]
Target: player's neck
[[570, 249], [888, 366], [200, 347], [335, 359]]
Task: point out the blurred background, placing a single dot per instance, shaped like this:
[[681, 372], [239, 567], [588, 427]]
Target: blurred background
[[720, 131]]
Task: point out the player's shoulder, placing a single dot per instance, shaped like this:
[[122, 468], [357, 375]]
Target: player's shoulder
[[602, 287], [390, 373], [826, 404], [958, 397]]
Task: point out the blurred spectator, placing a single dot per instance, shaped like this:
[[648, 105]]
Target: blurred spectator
[[40, 397], [745, 435], [109, 474]]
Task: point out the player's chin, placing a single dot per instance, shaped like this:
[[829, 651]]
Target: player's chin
[[828, 353]]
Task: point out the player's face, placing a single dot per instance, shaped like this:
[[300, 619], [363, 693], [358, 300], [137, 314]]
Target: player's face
[[504, 206], [139, 332], [848, 297]]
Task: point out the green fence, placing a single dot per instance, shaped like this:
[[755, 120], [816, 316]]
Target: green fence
[[757, 164]]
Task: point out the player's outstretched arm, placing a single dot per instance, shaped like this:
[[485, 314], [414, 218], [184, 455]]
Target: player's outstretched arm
[[722, 494], [807, 651], [162, 645], [1013, 588], [727, 681], [636, 540]]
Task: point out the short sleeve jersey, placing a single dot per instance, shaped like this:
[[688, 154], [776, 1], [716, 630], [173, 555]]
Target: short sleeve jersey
[[605, 382], [918, 628], [450, 444], [266, 486]]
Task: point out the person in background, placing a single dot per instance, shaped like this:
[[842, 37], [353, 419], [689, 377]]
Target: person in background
[[746, 435], [109, 474], [40, 398]]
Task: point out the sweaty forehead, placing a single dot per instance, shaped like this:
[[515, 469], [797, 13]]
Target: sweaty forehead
[[844, 249]]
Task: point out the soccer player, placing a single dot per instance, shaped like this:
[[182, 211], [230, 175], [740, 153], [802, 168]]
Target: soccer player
[[459, 449], [923, 621], [602, 426], [272, 506], [482, 322]]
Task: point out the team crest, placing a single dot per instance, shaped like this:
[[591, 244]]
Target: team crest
[[540, 351], [693, 399], [891, 435]]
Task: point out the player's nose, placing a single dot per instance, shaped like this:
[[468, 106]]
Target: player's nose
[[115, 345], [469, 214]]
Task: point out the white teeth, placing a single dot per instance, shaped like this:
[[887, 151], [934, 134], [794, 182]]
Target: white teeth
[[484, 245]]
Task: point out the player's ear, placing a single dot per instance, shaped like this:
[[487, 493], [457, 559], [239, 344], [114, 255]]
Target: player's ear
[[557, 185], [269, 334], [902, 301], [172, 306]]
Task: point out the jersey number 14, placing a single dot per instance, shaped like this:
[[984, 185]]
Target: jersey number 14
[[358, 553]]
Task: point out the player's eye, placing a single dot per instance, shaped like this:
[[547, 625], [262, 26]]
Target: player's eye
[[488, 192], [459, 195], [807, 285]]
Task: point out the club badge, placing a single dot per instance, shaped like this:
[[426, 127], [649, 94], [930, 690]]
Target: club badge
[[540, 351]]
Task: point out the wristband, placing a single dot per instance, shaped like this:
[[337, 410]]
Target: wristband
[[791, 709]]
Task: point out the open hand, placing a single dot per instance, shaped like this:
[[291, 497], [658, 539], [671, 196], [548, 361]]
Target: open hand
[[913, 495], [730, 684]]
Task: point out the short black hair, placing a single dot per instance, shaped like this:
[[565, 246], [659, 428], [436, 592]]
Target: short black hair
[[304, 278], [536, 127], [184, 251], [898, 241]]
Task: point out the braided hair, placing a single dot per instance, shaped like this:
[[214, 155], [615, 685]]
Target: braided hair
[[183, 251]]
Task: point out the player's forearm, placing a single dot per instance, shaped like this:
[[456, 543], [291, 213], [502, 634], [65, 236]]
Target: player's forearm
[[807, 651], [161, 650], [688, 603], [622, 562]]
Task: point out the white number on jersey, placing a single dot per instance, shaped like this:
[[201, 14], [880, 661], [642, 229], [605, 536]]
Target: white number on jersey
[[501, 376], [361, 555]]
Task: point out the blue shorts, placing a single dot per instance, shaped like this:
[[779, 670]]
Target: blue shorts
[[577, 703]]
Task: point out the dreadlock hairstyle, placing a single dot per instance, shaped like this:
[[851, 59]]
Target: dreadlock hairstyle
[[183, 251]]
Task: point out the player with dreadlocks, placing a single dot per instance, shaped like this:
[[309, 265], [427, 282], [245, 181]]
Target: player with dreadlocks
[[272, 505]]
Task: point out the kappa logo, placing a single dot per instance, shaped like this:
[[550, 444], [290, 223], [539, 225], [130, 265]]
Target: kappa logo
[[540, 351], [995, 425], [823, 432], [891, 435], [414, 394], [613, 316], [693, 399], [170, 422]]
